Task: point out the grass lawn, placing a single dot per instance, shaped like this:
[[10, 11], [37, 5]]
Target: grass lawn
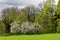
[[32, 37]]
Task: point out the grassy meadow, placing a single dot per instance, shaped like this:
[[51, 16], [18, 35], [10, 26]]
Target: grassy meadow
[[55, 36]]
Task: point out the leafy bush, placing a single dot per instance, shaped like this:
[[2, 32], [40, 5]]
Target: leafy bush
[[15, 28], [58, 27], [2, 28], [29, 28]]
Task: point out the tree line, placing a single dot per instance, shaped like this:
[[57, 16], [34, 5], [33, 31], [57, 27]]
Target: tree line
[[29, 21]]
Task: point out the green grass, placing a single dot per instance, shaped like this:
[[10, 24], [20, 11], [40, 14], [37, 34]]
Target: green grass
[[32, 37]]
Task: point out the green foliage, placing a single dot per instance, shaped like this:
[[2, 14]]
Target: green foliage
[[30, 13], [58, 27], [58, 9], [58, 17], [9, 16], [21, 18], [45, 21], [32, 18], [2, 28], [46, 17]]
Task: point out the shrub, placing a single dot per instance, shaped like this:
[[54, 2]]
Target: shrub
[[29, 28], [38, 28], [2, 28], [15, 28], [24, 27], [58, 27]]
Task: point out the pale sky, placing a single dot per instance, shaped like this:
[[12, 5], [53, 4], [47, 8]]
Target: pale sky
[[19, 3]]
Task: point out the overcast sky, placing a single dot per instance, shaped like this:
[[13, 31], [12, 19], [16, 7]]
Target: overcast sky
[[18, 3]]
